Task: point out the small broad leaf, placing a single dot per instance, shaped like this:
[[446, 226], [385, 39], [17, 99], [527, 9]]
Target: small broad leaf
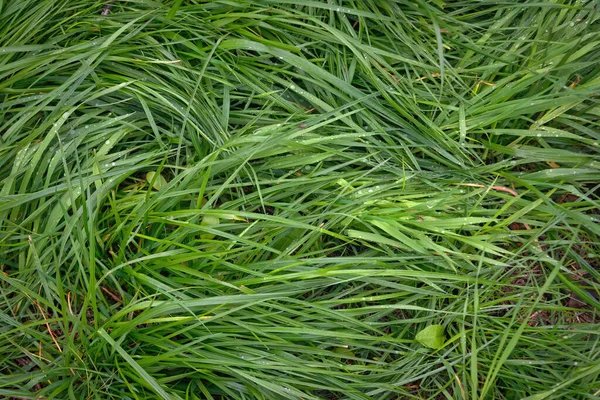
[[344, 351], [432, 337], [209, 220], [342, 182], [157, 182]]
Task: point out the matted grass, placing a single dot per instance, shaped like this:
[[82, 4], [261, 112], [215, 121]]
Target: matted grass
[[270, 199]]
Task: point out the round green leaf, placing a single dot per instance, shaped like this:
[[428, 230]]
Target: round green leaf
[[209, 220], [344, 351], [157, 182], [432, 337]]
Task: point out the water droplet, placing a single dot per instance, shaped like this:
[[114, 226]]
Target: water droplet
[[85, 127], [539, 135], [572, 24], [429, 206], [292, 87], [114, 163], [575, 363], [370, 190], [107, 142]]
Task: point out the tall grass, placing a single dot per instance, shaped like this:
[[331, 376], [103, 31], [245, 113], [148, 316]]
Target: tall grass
[[270, 199]]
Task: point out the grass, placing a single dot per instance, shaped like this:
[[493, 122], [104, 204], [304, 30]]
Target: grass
[[271, 199]]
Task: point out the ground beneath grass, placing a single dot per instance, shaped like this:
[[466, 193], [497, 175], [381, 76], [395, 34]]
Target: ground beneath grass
[[329, 199]]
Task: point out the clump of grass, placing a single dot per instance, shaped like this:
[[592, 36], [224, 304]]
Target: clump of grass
[[271, 199]]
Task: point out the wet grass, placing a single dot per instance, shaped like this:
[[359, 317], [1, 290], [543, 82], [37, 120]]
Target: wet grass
[[270, 199]]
